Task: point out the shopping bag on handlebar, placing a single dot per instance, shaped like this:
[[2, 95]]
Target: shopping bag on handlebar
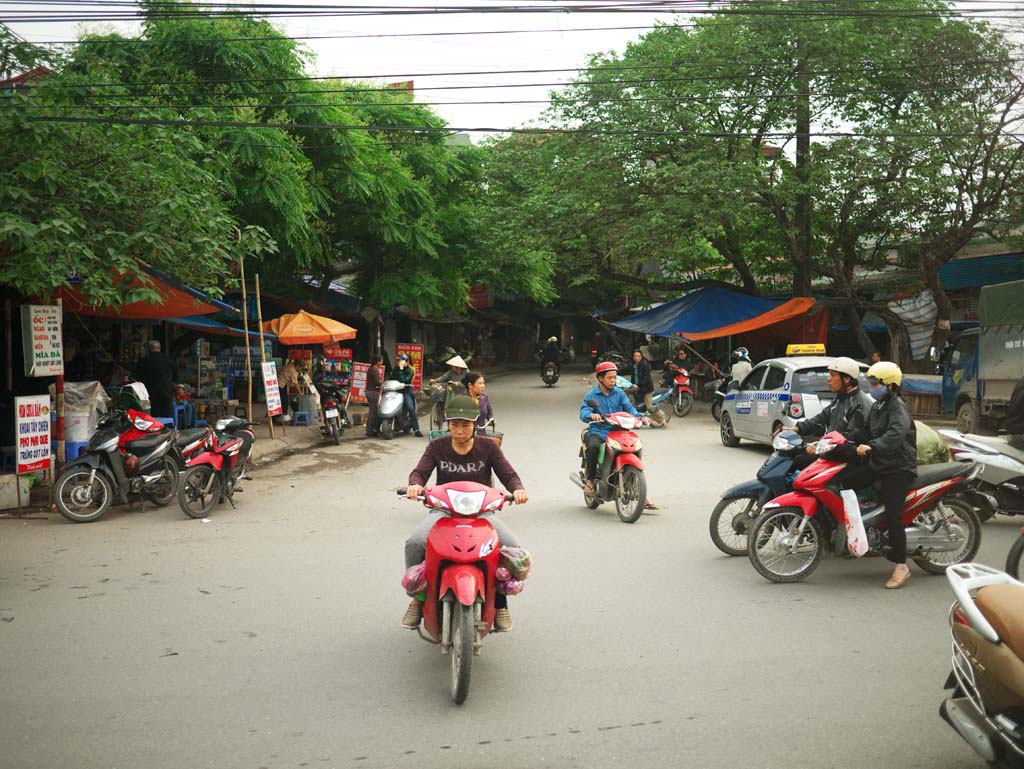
[[415, 579], [856, 536], [517, 561]]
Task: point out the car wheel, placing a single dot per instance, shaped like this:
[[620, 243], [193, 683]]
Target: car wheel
[[728, 435]]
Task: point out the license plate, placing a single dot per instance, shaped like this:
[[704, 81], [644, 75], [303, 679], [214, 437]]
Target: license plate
[[331, 414]]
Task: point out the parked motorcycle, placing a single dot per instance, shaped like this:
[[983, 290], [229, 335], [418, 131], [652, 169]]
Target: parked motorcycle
[[794, 531], [986, 706], [214, 475], [130, 454], [682, 393], [661, 402], [463, 552], [1000, 487], [739, 506], [391, 410], [718, 388], [550, 374], [335, 404], [620, 470]]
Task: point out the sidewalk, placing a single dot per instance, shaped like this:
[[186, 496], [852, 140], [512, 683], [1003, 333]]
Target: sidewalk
[[296, 440]]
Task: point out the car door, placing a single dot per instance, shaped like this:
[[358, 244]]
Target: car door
[[746, 396], [769, 404]]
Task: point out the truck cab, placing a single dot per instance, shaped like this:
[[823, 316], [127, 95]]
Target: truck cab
[[960, 386]]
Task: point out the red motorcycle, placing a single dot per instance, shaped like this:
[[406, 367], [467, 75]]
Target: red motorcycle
[[792, 534], [682, 398], [620, 469], [462, 557], [213, 475]]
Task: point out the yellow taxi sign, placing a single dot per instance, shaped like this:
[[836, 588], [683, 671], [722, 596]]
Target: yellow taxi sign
[[805, 349]]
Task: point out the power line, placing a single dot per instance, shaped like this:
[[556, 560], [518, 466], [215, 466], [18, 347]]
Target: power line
[[481, 129]]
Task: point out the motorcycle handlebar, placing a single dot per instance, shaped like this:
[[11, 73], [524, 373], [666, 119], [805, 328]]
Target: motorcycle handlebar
[[402, 492]]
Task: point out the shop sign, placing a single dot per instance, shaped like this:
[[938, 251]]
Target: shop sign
[[271, 388], [415, 353], [41, 339], [480, 297], [359, 374], [334, 351], [32, 417]]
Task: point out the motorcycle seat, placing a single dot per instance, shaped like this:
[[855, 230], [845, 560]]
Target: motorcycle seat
[[1000, 444], [147, 442], [186, 437], [942, 471], [1003, 606]]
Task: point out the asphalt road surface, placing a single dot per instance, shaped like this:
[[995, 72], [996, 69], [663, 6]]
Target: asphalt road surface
[[270, 637]]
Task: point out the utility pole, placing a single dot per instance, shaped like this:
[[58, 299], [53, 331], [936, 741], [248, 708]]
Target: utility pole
[[802, 266]]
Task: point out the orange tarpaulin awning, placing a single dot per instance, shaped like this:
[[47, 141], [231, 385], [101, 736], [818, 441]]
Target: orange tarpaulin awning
[[790, 309], [176, 300], [306, 328]]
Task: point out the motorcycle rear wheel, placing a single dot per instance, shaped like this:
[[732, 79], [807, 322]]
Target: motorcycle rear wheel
[[1015, 558], [463, 639], [937, 563], [682, 404], [200, 491], [731, 521], [631, 495], [164, 492], [335, 432], [769, 545], [78, 499], [716, 411]]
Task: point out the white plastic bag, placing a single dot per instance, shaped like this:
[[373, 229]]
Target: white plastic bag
[[856, 536]]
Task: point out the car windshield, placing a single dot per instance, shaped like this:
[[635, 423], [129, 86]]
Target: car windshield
[[812, 381]]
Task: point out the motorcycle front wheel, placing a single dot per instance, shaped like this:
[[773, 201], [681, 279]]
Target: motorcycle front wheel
[[437, 416], [778, 551], [730, 522], [162, 492], [200, 491], [957, 519], [683, 404], [387, 429], [1015, 558], [80, 496], [631, 495], [463, 638], [716, 411]]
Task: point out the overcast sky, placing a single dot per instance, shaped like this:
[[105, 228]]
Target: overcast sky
[[401, 58]]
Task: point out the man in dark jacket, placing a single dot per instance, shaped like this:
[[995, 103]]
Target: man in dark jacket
[[1015, 417], [550, 354], [156, 371], [848, 413]]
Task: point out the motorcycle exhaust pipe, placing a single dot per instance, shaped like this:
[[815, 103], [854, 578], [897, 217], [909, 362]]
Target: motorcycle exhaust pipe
[[575, 478], [971, 726], [922, 538]]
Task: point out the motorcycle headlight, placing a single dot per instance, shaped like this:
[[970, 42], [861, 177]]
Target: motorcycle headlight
[[614, 444], [639, 445], [466, 502]]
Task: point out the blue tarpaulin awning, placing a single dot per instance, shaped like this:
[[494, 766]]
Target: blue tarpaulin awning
[[712, 312], [207, 324]]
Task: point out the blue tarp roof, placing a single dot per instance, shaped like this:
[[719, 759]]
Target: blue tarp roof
[[206, 323], [982, 270], [699, 311]]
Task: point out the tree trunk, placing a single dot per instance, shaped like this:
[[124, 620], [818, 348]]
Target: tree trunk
[[940, 335], [866, 345]]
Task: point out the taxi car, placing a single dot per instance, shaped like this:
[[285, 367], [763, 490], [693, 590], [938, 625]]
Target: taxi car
[[778, 392]]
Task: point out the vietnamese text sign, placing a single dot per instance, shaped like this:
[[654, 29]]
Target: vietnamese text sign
[[271, 388], [415, 353], [41, 338], [359, 374], [32, 414], [335, 351]]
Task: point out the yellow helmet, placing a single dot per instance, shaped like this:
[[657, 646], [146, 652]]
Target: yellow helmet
[[886, 372]]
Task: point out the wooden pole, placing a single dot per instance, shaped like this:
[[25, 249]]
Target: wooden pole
[[59, 389], [263, 350], [245, 326], [9, 347]]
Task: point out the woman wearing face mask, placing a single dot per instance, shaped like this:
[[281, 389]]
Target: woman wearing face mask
[[889, 439]]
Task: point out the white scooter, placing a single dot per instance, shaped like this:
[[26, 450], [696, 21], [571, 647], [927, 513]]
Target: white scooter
[[391, 410], [1000, 487]]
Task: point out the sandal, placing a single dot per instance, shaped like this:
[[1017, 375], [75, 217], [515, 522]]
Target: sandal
[[650, 506]]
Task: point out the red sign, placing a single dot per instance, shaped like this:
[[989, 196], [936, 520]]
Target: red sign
[[480, 297], [415, 353], [32, 417], [334, 351], [359, 374]]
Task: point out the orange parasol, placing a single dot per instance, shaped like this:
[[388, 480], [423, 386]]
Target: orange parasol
[[305, 328]]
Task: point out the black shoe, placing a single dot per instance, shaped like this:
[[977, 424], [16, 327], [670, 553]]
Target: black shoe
[[418, 434]]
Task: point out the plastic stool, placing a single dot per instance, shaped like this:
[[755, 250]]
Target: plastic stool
[[73, 449], [300, 418], [180, 415], [165, 421], [201, 423]]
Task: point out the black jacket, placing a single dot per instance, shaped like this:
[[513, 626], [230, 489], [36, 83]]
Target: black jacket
[[642, 378], [551, 354], [847, 414], [1015, 411], [892, 437]]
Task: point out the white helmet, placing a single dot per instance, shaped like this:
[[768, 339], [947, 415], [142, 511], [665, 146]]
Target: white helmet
[[552, 338], [847, 366]]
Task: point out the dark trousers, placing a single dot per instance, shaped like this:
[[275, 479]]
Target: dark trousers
[[892, 494], [410, 406], [372, 420], [594, 443]]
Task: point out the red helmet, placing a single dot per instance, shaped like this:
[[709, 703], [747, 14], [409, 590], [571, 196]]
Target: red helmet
[[604, 366]]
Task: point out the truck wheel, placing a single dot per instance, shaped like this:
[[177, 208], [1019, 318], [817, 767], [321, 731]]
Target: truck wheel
[[966, 417]]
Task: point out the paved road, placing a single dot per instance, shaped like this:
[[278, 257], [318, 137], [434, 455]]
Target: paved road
[[269, 637]]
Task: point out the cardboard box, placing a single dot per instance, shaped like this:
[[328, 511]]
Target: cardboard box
[[8, 498]]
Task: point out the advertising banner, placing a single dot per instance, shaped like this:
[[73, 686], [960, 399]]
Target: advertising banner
[[41, 339], [415, 353], [32, 415], [334, 351], [272, 390], [359, 372]]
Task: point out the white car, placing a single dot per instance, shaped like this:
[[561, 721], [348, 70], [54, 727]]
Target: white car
[[777, 392]]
